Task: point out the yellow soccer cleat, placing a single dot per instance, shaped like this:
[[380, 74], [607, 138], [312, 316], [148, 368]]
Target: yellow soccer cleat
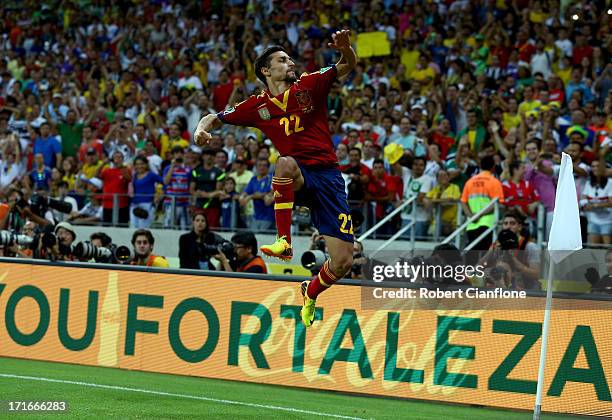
[[308, 309], [279, 249]]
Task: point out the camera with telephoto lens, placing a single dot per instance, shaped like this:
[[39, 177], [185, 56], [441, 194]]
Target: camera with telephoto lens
[[39, 205], [114, 255], [11, 238], [210, 250], [86, 251]]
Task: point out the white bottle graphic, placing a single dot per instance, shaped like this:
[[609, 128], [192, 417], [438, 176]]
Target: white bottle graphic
[[110, 320]]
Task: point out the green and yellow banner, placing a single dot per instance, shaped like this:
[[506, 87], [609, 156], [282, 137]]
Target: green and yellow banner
[[250, 330]]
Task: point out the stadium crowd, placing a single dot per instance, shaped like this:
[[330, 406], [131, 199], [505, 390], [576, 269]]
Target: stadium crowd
[[99, 100]]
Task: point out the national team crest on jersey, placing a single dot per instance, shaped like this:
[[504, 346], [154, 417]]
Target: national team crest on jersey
[[304, 100], [264, 113]]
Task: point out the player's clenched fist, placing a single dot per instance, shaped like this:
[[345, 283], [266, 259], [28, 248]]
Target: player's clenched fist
[[202, 135]]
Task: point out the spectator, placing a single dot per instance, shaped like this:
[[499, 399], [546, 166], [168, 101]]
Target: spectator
[[193, 251], [49, 147], [478, 193], [92, 213], [446, 195], [116, 178], [383, 190], [177, 178], [596, 202], [62, 195], [519, 194], [358, 178], [144, 185], [40, 177], [205, 187], [418, 184], [11, 168], [71, 133], [259, 190], [230, 208]]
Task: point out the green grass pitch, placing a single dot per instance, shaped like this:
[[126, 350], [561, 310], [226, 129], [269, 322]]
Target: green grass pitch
[[180, 397]]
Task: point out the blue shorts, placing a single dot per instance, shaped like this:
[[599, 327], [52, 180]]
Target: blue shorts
[[325, 195]]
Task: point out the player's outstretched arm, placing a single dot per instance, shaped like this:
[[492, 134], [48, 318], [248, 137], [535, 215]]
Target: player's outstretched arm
[[342, 42], [202, 135]]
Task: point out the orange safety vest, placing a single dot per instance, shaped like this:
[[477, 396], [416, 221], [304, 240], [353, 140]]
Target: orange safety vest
[[149, 262], [255, 261]]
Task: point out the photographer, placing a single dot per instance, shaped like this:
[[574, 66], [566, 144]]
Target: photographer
[[194, 247], [19, 211], [246, 259], [143, 242], [359, 261], [55, 244], [601, 284], [513, 248]]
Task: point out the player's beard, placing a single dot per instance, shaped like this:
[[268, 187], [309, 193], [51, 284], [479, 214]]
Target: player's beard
[[290, 79]]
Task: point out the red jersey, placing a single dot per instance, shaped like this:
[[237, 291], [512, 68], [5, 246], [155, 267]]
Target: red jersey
[[521, 194], [295, 121], [116, 181]]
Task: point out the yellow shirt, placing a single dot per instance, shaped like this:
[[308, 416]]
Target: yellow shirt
[[510, 121], [90, 171], [472, 139], [422, 75], [409, 59], [167, 145], [526, 106], [449, 212], [564, 75]]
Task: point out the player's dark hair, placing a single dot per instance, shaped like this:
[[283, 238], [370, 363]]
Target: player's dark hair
[[264, 61], [355, 148], [487, 163], [515, 215], [247, 239], [419, 158], [378, 161]]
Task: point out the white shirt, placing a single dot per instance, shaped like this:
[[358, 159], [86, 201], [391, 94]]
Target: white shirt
[[192, 81], [415, 186], [59, 216], [565, 45], [595, 194], [541, 63], [9, 174]]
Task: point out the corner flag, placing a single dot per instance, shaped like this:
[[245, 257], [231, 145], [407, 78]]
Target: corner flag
[[565, 234], [564, 239]]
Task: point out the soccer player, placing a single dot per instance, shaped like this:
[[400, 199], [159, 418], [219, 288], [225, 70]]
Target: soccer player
[[292, 112]]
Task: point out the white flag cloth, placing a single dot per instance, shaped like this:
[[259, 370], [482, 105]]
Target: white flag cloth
[[565, 236]]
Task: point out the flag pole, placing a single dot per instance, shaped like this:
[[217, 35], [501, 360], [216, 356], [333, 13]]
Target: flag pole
[[538, 403]]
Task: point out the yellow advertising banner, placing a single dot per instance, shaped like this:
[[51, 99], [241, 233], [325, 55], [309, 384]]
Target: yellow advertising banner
[[250, 330]]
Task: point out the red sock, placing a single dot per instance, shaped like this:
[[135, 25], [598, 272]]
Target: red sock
[[283, 205], [322, 281]]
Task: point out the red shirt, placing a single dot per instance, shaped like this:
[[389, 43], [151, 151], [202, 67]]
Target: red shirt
[[96, 144], [221, 95], [525, 51], [521, 194], [578, 53], [116, 181], [445, 143], [295, 121], [379, 188]]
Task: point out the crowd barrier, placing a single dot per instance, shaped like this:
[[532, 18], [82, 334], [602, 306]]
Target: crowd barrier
[[249, 329]]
